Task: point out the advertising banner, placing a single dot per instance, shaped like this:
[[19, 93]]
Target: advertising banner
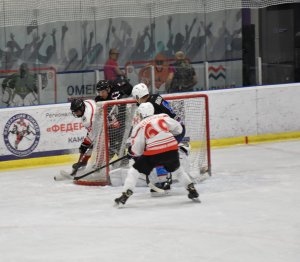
[[37, 131]]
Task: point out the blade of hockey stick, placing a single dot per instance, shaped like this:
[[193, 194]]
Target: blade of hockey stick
[[99, 168], [64, 175], [154, 187], [74, 171]]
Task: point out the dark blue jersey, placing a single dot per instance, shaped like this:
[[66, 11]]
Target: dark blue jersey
[[161, 106]]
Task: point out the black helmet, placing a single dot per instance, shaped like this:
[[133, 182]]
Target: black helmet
[[76, 105], [104, 85]]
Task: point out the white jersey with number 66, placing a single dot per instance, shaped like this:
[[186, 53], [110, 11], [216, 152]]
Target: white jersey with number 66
[[155, 135]]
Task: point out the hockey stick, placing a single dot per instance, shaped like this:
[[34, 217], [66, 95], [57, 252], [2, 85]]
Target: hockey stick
[[99, 168], [65, 175], [155, 188]]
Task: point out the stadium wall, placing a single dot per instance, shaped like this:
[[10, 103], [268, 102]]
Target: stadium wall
[[51, 135]]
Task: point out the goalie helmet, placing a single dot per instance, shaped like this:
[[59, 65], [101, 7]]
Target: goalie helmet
[[104, 85], [146, 109], [139, 91], [77, 105]]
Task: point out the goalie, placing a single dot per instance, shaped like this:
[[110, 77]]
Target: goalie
[[153, 143]]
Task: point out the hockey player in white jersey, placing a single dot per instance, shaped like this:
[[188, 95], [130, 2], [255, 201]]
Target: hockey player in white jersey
[[153, 143], [159, 174], [140, 93], [85, 110]]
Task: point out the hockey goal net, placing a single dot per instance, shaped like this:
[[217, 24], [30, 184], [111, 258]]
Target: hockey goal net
[[113, 134]]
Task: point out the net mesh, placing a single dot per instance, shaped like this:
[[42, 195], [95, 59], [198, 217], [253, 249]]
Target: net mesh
[[30, 12], [111, 141]]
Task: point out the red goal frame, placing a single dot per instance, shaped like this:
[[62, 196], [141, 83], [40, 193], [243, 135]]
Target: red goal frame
[[108, 104]]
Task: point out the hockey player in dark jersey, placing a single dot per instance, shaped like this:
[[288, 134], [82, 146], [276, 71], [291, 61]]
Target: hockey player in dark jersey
[[114, 90], [140, 93]]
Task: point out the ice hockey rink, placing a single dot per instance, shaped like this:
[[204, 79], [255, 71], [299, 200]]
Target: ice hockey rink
[[250, 211]]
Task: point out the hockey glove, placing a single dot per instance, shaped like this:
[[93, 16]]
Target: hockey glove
[[78, 165], [130, 154], [181, 136], [85, 145]]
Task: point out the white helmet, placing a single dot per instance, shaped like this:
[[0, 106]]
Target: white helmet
[[139, 91], [146, 109]]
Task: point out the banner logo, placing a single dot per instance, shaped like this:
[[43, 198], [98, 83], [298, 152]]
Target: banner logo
[[216, 72], [21, 134]]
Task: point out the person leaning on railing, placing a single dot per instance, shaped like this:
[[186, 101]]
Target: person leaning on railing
[[182, 76]]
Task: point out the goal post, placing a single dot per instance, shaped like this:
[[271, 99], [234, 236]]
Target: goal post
[[116, 119]]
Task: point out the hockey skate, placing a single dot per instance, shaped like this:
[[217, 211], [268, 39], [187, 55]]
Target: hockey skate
[[123, 198], [193, 194]]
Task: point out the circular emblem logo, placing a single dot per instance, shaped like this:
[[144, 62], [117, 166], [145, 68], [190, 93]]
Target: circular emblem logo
[[21, 134]]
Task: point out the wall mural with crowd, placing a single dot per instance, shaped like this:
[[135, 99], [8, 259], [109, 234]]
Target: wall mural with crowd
[[72, 50]]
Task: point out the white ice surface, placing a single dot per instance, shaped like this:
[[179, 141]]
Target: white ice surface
[[250, 212]]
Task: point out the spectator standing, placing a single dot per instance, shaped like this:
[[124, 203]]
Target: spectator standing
[[182, 76], [111, 67]]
